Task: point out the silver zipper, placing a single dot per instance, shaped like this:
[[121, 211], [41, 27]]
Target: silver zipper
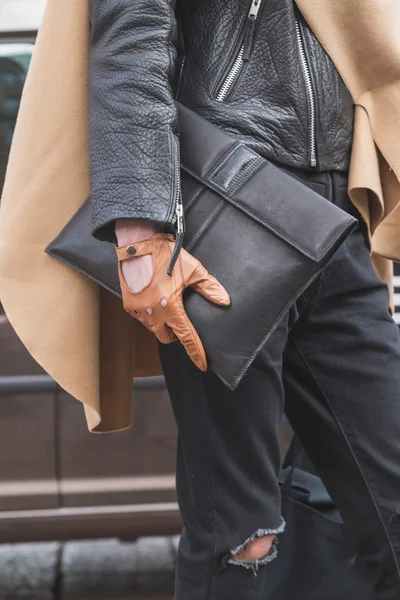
[[239, 61], [311, 96], [178, 220]]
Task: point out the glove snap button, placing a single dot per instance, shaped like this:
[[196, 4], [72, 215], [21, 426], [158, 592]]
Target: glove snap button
[[131, 250], [164, 302], [149, 311]]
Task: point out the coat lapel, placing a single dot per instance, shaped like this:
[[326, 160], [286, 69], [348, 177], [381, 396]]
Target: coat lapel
[[363, 40]]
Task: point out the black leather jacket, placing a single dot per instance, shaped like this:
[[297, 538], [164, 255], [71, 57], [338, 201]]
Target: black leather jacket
[[252, 66]]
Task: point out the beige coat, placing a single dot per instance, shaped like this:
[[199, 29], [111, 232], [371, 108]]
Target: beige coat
[[79, 333]]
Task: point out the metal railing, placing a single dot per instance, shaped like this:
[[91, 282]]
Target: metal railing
[[39, 384]]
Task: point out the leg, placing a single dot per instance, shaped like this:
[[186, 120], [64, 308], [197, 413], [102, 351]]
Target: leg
[[342, 385], [228, 458], [227, 464]]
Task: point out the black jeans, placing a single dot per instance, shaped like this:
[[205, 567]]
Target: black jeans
[[333, 365]]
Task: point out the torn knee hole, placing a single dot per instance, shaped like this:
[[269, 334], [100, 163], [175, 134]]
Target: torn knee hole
[[255, 549], [259, 549]]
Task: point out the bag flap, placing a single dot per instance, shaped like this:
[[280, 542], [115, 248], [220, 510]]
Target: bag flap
[[279, 202]]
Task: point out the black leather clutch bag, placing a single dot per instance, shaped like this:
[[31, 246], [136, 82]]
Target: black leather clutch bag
[[262, 233]]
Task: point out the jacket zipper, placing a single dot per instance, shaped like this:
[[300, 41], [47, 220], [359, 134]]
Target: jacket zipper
[[178, 219], [244, 51], [311, 95]]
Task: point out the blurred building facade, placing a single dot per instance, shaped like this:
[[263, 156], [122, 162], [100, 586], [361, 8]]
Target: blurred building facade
[[21, 15]]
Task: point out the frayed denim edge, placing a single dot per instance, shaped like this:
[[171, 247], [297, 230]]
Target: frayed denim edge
[[260, 533], [272, 554]]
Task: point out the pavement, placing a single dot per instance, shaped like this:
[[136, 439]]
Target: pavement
[[88, 570]]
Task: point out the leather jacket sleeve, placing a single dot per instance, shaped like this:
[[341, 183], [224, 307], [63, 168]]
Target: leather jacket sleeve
[[133, 125]]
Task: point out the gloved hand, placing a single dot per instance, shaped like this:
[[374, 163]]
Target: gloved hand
[[159, 305]]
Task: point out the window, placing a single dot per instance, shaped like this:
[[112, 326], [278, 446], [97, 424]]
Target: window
[[14, 63]]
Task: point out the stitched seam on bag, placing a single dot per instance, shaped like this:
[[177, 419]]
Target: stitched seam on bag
[[253, 165], [314, 295], [217, 166], [201, 234], [272, 329], [313, 256], [317, 291], [248, 211], [243, 176], [221, 160], [351, 450], [193, 200]]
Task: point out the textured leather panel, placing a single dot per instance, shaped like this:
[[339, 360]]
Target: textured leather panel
[[133, 121], [268, 107]]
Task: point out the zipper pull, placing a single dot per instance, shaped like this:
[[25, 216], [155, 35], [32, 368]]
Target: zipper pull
[[179, 222], [249, 28]]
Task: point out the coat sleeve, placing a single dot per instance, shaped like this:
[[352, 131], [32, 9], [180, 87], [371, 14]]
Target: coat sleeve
[[133, 125]]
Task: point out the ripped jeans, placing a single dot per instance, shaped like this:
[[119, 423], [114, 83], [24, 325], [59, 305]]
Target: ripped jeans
[[333, 365]]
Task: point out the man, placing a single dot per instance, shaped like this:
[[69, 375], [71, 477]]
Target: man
[[257, 70]]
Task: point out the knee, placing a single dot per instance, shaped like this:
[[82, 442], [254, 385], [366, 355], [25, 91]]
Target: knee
[[255, 550], [258, 550]]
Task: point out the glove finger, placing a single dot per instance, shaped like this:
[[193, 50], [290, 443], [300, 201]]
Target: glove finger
[[188, 336], [208, 286], [171, 334], [165, 334]]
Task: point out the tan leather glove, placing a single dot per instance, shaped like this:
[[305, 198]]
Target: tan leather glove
[[159, 305]]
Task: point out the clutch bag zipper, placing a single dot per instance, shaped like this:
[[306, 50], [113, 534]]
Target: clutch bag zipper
[[311, 95], [244, 51]]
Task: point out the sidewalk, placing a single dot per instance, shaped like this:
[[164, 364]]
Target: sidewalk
[[89, 570]]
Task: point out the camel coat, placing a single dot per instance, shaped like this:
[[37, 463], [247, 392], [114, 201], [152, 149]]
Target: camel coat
[[80, 333]]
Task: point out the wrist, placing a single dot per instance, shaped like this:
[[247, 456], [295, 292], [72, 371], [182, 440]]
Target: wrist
[[134, 230]]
